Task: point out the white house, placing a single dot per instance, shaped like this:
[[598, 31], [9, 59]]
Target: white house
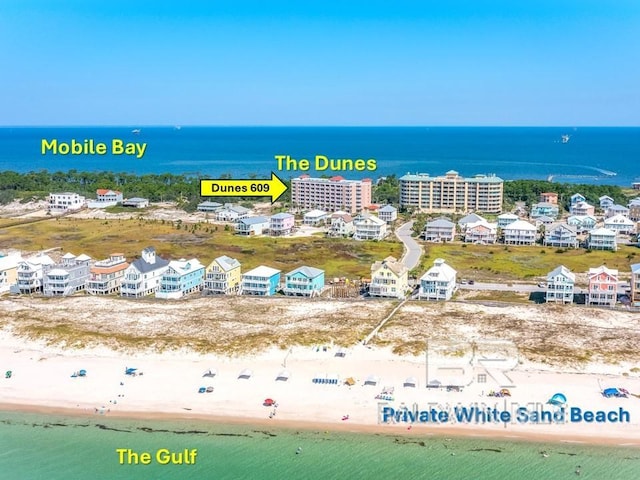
[[560, 235], [467, 219], [30, 273], [614, 210], [208, 206], [438, 283], [67, 277], [602, 239], [520, 232], [620, 224], [143, 275], [232, 213], [315, 217], [341, 225], [560, 285], [369, 227], [65, 202], [388, 213], [251, 226], [136, 202], [605, 202], [481, 232]]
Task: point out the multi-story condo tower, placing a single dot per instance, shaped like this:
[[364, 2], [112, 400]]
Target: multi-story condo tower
[[330, 194]]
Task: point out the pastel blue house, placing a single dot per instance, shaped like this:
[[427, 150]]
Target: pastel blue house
[[181, 278], [304, 281], [583, 223], [260, 281], [544, 209], [577, 198]]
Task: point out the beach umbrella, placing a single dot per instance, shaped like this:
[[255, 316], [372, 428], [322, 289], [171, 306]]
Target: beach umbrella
[[283, 375], [269, 402]]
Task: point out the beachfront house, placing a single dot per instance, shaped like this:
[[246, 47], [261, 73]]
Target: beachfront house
[[67, 277], [560, 235], [438, 283], [439, 230], [603, 286], [549, 197], [261, 281], [304, 281], [9, 271], [506, 219], [583, 223], [105, 277], [369, 227], [620, 224], [606, 202], [105, 198], [65, 202], [143, 275], [582, 208], [232, 213], [30, 273], [223, 276], [467, 219], [209, 207], [482, 233], [634, 210], [544, 209], [315, 218], [281, 224], [635, 285], [543, 221], [181, 278], [388, 213], [389, 278], [252, 226], [341, 225], [520, 232], [136, 202], [560, 285], [602, 239]]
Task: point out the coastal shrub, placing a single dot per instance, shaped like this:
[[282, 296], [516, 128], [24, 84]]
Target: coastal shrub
[[542, 252]]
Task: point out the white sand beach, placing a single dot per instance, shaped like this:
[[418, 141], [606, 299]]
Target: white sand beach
[[167, 384]]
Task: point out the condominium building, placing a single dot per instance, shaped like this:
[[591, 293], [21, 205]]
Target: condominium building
[[331, 194], [451, 193]]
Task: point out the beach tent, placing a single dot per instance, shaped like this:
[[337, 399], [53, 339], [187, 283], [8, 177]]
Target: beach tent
[[613, 392], [410, 382], [82, 373], [372, 380], [269, 402], [283, 376], [245, 374], [558, 399], [130, 371], [434, 384], [341, 353], [350, 381], [212, 372]]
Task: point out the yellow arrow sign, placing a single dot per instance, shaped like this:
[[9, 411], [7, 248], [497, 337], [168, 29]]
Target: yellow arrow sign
[[273, 188]]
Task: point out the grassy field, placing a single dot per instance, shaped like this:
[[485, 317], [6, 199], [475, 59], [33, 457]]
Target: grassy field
[[99, 238], [498, 262]]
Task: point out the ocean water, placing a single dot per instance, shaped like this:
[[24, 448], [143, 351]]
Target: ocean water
[[593, 155], [34, 446]]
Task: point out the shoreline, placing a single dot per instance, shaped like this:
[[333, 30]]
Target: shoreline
[[551, 438]]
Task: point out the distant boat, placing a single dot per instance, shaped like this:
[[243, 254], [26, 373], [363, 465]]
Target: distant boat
[[177, 127], [136, 131], [566, 138]]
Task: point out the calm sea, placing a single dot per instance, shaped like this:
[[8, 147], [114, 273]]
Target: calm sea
[[52, 447], [592, 155]]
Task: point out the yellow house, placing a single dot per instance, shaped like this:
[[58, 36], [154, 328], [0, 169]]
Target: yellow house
[[389, 278], [9, 271], [223, 276]]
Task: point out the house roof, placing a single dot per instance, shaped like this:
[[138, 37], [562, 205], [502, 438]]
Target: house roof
[[602, 269], [565, 226], [544, 219], [239, 209], [562, 270], [370, 218], [262, 271], [109, 269], [439, 271], [83, 257], [40, 260], [104, 191], [344, 216], [392, 264], [520, 225], [619, 219], [254, 220], [508, 215], [605, 197], [136, 200], [545, 205], [183, 266], [208, 203], [388, 208], [309, 272], [583, 205], [602, 231], [635, 268], [315, 213], [68, 256], [281, 216], [482, 224], [145, 267], [10, 261], [227, 263], [618, 208], [57, 271], [634, 202], [471, 218], [582, 218], [440, 222]]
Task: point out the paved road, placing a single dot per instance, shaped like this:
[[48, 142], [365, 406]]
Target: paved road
[[520, 287], [413, 251]]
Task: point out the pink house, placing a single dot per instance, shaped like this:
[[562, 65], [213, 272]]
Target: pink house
[[603, 286], [281, 224]]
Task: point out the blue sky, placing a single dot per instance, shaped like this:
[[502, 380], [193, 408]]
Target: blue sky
[[452, 62]]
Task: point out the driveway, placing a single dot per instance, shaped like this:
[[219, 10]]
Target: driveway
[[413, 251]]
